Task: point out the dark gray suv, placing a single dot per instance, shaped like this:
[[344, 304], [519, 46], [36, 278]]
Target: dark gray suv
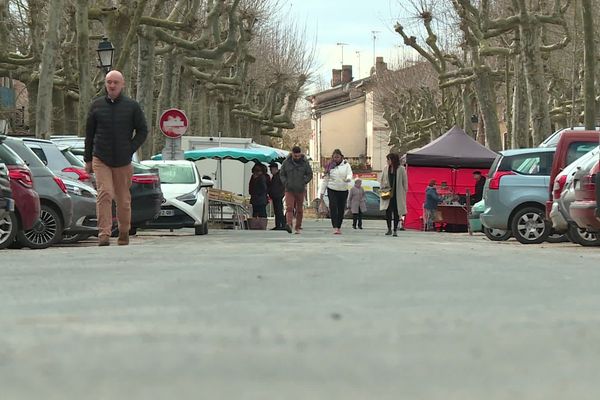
[[56, 204]]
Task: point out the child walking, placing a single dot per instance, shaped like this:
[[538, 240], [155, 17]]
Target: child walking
[[357, 203]]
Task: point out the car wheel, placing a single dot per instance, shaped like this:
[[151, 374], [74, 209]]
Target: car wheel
[[8, 229], [583, 237], [557, 238], [497, 235], [529, 226], [201, 229], [46, 233]]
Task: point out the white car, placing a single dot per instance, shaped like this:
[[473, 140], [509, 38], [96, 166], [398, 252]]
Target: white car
[[185, 194]]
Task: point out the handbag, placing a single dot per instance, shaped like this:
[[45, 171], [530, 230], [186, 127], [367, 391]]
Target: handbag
[[385, 194]]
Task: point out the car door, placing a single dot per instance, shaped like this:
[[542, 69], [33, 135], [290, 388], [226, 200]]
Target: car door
[[373, 205]]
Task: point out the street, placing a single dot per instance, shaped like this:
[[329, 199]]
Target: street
[[267, 315]]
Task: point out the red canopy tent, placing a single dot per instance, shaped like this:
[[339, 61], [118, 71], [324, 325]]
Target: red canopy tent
[[451, 158]]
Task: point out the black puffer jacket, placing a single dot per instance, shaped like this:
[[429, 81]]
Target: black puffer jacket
[[109, 130]]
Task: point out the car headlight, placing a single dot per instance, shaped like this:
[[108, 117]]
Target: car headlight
[[188, 198]]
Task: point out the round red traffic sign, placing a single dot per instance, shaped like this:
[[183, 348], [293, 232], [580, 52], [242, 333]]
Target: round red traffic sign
[[173, 123]]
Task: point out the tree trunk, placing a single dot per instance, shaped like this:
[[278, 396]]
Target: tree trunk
[[589, 62], [145, 87], [486, 97], [467, 109], [32, 94], [83, 58], [529, 31], [158, 140], [46, 79], [58, 111], [520, 108], [71, 120]]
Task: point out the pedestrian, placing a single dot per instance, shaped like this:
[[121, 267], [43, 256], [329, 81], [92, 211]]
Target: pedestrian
[[277, 192], [393, 188], [258, 189], [337, 176], [432, 199], [109, 147], [479, 185], [357, 203], [295, 174]]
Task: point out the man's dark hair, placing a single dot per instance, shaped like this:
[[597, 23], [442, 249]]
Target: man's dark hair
[[477, 173], [296, 149]]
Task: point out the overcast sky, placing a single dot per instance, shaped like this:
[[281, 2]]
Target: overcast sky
[[349, 21]]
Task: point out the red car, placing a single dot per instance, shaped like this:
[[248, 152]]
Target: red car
[[571, 145], [27, 201], [584, 210]]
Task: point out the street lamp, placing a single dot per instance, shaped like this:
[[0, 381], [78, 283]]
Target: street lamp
[[105, 54]]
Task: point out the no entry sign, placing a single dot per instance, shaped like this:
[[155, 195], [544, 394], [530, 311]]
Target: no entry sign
[[173, 123]]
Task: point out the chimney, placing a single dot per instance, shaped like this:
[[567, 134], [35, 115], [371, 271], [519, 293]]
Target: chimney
[[347, 73], [336, 77]]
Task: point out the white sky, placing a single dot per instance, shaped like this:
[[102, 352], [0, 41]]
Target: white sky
[[329, 22]]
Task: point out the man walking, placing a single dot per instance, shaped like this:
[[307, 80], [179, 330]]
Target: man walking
[[276, 192], [295, 175], [109, 146]]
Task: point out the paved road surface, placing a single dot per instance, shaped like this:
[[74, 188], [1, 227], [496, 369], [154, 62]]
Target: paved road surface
[[267, 315]]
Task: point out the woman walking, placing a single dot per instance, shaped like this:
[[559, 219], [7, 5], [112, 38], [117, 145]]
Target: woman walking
[[394, 185], [337, 176], [357, 203]]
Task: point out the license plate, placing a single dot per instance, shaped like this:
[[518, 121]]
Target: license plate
[[166, 213]]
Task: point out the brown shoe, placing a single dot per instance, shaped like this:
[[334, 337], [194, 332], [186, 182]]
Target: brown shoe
[[123, 239], [103, 240]]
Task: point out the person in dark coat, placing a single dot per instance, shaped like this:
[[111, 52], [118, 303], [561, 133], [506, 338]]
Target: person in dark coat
[[479, 185], [295, 174], [432, 199], [277, 192], [109, 145], [258, 189]]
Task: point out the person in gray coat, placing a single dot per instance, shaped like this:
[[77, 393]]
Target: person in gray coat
[[393, 179], [357, 203], [295, 174]]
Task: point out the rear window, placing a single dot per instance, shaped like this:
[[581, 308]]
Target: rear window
[[71, 158], [578, 149], [9, 157], [176, 174], [537, 164]]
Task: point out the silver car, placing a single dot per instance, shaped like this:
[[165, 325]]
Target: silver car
[[516, 191], [56, 204]]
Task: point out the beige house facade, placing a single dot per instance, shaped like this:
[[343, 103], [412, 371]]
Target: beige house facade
[[345, 117]]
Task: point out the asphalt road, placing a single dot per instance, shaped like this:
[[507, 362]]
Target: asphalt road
[[267, 315]]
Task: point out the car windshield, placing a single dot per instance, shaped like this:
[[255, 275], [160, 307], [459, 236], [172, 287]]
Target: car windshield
[[176, 174]]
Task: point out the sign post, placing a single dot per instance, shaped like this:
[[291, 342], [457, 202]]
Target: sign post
[[173, 124]]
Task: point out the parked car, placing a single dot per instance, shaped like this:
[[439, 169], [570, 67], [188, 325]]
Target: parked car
[[186, 196], [7, 204], [26, 214], [572, 145], [76, 143], [59, 160], [56, 204], [515, 194], [584, 210], [564, 194], [553, 139]]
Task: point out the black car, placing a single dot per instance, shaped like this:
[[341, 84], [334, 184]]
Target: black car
[[6, 201]]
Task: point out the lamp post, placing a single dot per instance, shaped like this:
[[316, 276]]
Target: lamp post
[[105, 55]]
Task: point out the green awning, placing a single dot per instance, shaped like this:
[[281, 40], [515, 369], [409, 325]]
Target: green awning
[[261, 154]]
